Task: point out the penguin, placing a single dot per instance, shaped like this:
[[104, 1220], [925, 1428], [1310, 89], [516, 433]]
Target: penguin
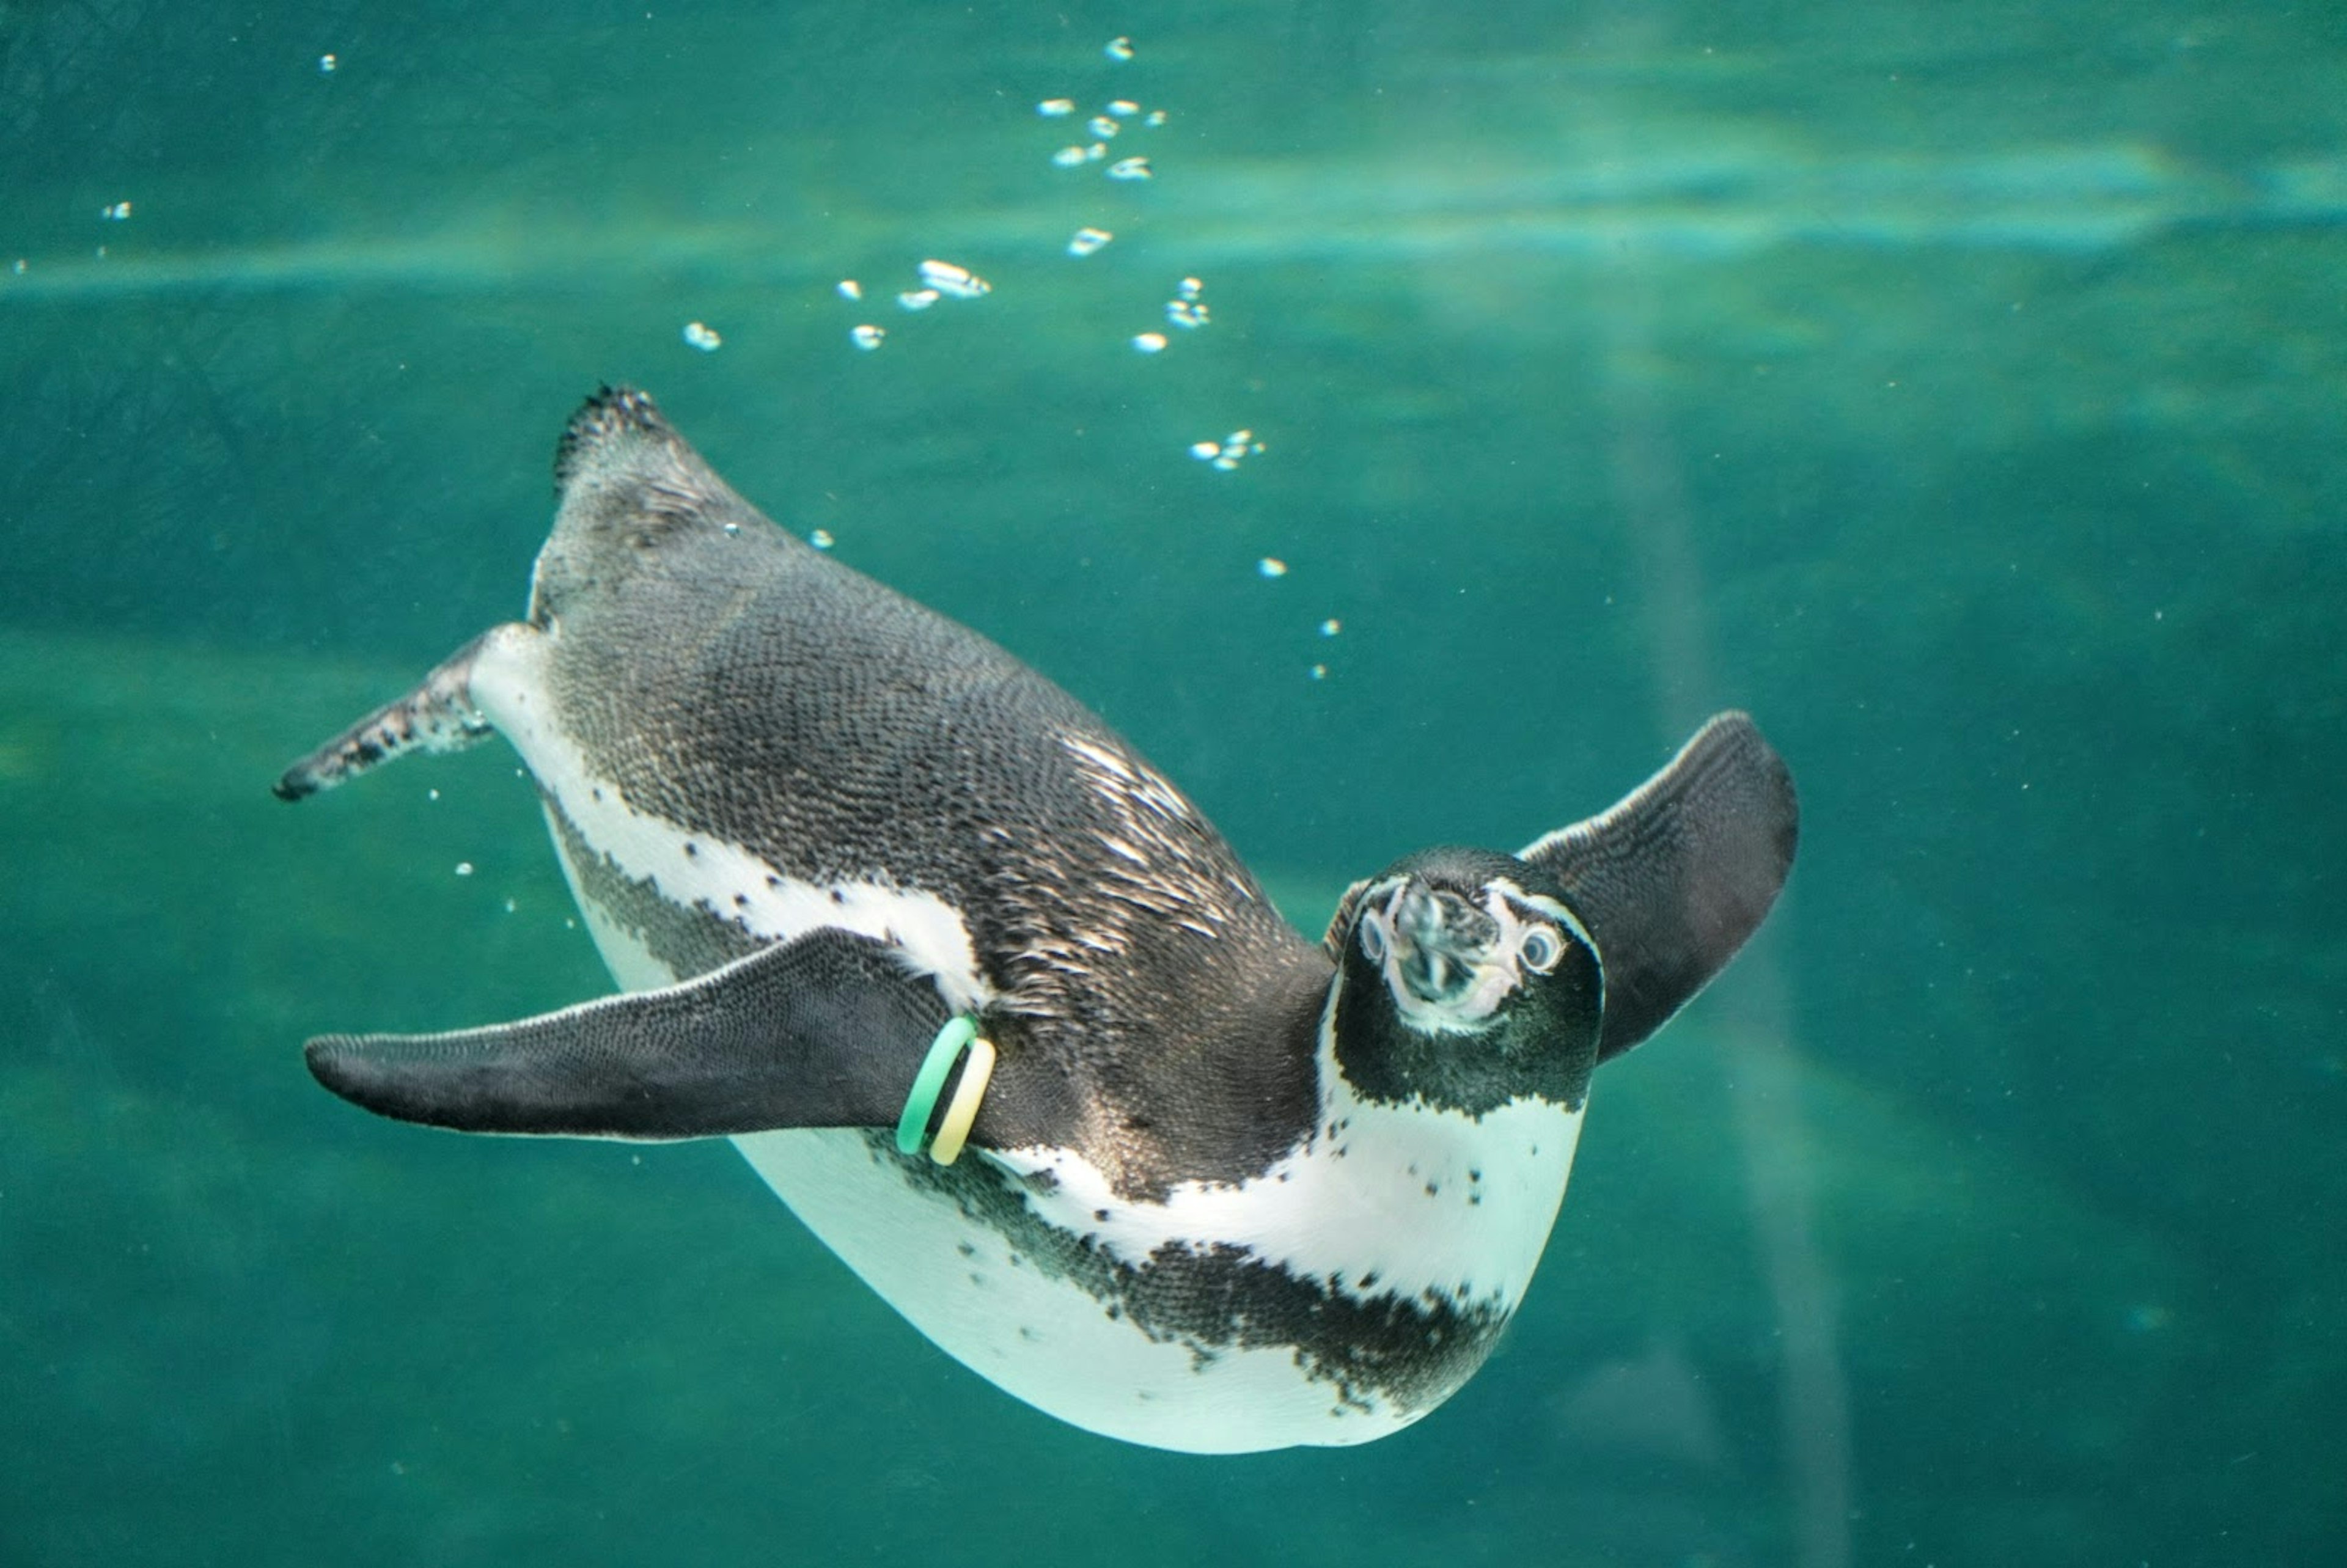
[[870, 886]]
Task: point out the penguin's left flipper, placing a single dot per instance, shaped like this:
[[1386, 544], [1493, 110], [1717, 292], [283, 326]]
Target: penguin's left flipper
[[1675, 877], [826, 1030]]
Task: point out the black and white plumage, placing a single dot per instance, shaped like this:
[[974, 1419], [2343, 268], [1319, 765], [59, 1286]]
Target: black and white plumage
[[1227, 1189]]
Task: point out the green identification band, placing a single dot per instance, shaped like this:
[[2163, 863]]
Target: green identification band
[[913, 1126]]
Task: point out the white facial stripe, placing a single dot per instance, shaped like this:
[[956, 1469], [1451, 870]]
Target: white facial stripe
[[1552, 909], [720, 877], [1409, 1200]]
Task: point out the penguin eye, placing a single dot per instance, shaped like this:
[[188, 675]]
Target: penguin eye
[[1541, 948], [1373, 940]]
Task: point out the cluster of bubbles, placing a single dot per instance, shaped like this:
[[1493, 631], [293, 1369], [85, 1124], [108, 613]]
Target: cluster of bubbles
[[1103, 128], [938, 281], [1184, 308], [1226, 455]]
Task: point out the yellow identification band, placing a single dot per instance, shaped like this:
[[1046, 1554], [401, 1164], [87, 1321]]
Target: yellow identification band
[[977, 1071]]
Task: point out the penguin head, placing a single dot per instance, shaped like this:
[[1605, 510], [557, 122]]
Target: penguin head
[[1465, 980]]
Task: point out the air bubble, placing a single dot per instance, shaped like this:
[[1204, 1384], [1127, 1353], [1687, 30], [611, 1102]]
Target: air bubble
[[1319, 671], [1189, 289], [1184, 314], [1068, 157], [821, 538], [464, 868], [1088, 240], [849, 289], [946, 278], [703, 337], [1330, 627], [326, 64], [866, 337], [1129, 169], [1056, 109], [917, 299], [1157, 116], [116, 212], [1271, 566], [1118, 48], [1102, 127], [1154, 342]]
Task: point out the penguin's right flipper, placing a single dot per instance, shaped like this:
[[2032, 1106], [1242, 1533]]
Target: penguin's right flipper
[[438, 715], [1676, 875], [826, 1030]]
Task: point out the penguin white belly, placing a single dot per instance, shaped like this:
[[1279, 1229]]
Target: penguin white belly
[[1034, 1332], [1041, 1331]]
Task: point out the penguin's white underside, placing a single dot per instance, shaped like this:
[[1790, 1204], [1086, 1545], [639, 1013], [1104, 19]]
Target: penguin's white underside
[[1231, 1194]]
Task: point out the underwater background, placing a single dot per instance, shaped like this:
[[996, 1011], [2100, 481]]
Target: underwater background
[[1963, 389]]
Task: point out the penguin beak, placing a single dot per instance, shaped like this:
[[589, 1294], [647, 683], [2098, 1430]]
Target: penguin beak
[[1441, 941]]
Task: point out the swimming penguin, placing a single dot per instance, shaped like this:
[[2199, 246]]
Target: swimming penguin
[[994, 1009]]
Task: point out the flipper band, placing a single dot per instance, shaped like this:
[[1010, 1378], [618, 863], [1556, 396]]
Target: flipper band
[[913, 1125], [962, 1109]]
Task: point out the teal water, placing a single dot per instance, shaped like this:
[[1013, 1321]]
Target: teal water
[[1961, 390]]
